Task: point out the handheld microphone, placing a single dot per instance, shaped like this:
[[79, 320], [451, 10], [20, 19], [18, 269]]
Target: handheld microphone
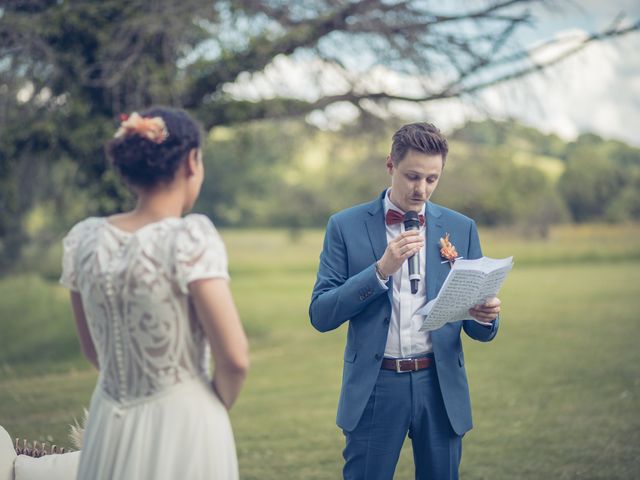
[[412, 222]]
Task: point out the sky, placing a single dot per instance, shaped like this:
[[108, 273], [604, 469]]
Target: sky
[[596, 90]]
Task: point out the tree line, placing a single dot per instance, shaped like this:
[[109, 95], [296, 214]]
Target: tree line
[[287, 174]]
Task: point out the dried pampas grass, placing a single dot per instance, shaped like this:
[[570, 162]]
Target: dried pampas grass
[[76, 431]]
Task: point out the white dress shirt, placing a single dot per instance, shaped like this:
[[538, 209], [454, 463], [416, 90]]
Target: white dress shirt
[[404, 338]]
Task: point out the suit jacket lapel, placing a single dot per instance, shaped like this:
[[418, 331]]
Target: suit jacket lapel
[[376, 227], [433, 260], [377, 230]]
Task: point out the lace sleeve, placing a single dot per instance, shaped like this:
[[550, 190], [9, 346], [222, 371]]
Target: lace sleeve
[[199, 252], [69, 247]]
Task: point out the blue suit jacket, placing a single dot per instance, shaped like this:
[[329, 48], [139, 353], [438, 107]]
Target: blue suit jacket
[[347, 289]]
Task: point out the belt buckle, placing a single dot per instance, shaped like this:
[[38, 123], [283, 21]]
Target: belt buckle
[[399, 362]]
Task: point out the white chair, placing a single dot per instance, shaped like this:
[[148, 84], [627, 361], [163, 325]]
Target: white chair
[[59, 466]]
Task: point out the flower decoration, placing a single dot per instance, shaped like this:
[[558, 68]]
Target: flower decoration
[[153, 129], [447, 250]]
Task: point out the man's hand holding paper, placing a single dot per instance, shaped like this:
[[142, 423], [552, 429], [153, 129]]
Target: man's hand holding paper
[[487, 312], [470, 290]]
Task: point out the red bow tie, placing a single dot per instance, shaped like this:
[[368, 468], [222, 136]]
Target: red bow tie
[[393, 216]]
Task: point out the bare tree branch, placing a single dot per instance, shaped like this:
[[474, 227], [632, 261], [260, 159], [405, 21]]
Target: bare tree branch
[[388, 20], [538, 66], [232, 111], [211, 75]]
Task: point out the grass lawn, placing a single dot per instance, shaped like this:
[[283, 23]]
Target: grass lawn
[[556, 395]]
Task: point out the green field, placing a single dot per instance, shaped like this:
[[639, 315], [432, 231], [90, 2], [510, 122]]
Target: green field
[[556, 395]]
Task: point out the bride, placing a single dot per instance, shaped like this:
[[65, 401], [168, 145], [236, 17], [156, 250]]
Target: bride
[[150, 296]]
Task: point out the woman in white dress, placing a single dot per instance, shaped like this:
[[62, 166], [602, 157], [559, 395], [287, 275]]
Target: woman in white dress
[[150, 296]]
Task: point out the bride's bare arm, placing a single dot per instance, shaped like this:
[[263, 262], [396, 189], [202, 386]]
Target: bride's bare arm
[[86, 343], [218, 315]]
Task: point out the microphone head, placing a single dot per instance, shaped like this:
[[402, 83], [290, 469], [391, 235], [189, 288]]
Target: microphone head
[[411, 220]]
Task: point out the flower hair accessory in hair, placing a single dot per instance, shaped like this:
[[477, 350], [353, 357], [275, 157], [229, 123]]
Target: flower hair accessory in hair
[[153, 129]]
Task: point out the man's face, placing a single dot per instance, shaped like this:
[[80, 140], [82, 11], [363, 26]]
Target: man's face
[[414, 179]]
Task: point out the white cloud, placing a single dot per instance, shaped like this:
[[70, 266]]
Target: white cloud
[[596, 90], [609, 9], [305, 79]]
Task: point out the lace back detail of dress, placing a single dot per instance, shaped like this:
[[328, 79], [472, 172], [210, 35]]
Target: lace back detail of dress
[[133, 287]]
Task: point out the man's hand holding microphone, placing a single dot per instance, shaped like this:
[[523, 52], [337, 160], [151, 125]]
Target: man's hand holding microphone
[[404, 247]]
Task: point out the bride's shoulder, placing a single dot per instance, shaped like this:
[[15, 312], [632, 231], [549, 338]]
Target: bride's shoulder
[[199, 251], [197, 220], [78, 237], [198, 224], [84, 227], [196, 232]]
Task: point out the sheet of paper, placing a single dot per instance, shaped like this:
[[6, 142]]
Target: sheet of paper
[[469, 283]]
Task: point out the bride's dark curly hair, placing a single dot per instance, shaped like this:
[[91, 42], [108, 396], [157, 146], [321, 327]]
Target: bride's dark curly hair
[[144, 163]]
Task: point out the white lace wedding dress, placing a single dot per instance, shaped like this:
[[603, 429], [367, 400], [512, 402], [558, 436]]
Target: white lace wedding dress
[[153, 414]]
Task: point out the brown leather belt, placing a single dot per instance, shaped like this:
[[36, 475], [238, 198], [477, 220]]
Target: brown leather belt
[[403, 365]]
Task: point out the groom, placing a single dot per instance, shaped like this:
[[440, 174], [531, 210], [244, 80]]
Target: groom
[[396, 379]]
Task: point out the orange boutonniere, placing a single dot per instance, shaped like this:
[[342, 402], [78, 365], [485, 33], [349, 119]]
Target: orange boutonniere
[[447, 250], [153, 129]]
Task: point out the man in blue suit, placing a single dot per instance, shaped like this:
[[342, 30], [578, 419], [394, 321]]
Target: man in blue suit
[[396, 379]]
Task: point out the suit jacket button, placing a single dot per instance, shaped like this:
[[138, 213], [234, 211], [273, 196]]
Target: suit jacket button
[[386, 321], [377, 356]]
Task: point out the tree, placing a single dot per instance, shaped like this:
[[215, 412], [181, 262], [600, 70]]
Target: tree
[[601, 180], [68, 68]]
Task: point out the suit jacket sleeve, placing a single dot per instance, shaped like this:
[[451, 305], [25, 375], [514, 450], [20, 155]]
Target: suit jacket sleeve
[[338, 296], [474, 329]]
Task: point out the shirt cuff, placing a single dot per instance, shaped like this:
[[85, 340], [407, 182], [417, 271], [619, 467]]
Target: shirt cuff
[[383, 284], [484, 324]]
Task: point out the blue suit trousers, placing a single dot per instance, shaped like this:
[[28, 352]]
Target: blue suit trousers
[[400, 404]]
